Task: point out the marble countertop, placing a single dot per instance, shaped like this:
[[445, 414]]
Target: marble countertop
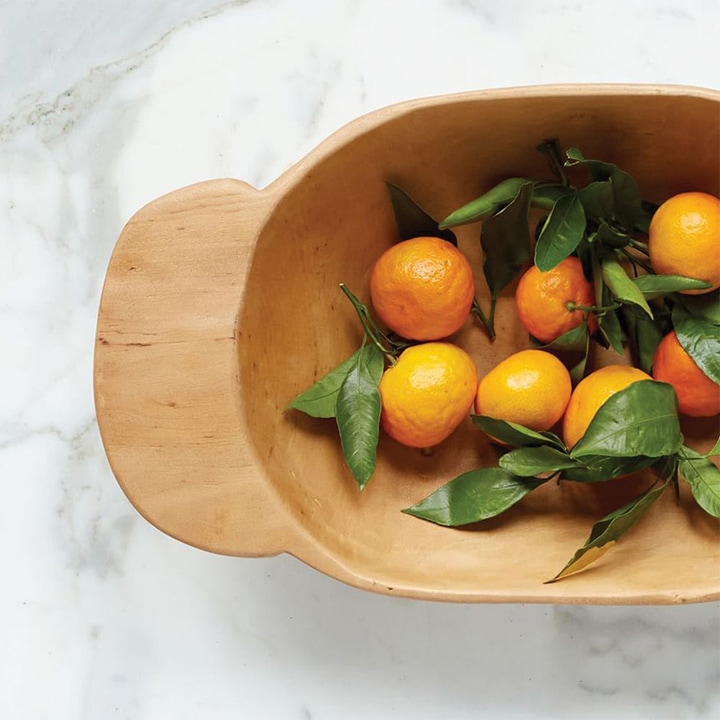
[[107, 105]]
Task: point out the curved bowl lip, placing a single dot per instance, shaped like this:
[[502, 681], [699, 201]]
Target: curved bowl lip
[[353, 128]]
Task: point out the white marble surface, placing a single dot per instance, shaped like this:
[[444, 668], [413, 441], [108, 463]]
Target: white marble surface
[[106, 105]]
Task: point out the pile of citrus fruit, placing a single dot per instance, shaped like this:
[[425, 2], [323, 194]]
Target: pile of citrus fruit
[[607, 270]]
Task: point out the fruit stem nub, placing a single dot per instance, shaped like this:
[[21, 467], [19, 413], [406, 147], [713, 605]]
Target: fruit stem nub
[[571, 305]]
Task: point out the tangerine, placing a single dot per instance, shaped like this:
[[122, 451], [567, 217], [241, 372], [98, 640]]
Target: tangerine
[[427, 393], [422, 288], [684, 238], [530, 388], [698, 395], [591, 393], [551, 303]]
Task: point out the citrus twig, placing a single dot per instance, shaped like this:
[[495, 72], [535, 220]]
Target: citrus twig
[[551, 148], [476, 310], [639, 246], [637, 261], [376, 335], [596, 309]]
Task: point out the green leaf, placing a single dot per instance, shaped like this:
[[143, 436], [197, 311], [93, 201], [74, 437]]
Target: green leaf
[[358, 415], [647, 210], [571, 341], [703, 477], [320, 399], [645, 335], [627, 201], [545, 195], [610, 236], [473, 496], [487, 204], [412, 221], [704, 307], [505, 240], [599, 468], [531, 461], [715, 450], [609, 323], [598, 199], [621, 286], [641, 419], [701, 340], [654, 285], [562, 232], [516, 435], [607, 531]]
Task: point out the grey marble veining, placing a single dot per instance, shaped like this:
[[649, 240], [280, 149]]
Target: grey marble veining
[[104, 107]]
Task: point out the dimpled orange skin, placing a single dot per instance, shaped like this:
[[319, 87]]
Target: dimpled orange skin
[[591, 393], [427, 393], [531, 388], [684, 238], [541, 299], [422, 288], [698, 395]]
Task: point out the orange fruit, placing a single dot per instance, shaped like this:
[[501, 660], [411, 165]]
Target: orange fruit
[[531, 388], [684, 238], [591, 393], [422, 288], [698, 395], [427, 393], [544, 299]]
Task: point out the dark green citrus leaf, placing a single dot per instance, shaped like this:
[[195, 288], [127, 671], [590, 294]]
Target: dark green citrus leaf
[[562, 232], [647, 210], [703, 477], [487, 204], [320, 399], [655, 285], [412, 221], [641, 419], [545, 195], [473, 496], [645, 334], [701, 340], [627, 201], [516, 435], [610, 236], [703, 307], [572, 341], [607, 531], [358, 416], [531, 461], [597, 198], [599, 468], [715, 450], [505, 239], [621, 286], [609, 324]]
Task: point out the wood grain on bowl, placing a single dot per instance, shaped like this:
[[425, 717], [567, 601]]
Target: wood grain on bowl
[[221, 303]]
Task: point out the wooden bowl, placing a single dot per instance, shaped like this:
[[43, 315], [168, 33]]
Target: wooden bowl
[[221, 303]]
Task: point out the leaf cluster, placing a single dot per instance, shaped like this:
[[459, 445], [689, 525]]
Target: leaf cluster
[[594, 210], [635, 429], [349, 392]]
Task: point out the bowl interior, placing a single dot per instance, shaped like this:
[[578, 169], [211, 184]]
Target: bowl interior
[[295, 324]]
